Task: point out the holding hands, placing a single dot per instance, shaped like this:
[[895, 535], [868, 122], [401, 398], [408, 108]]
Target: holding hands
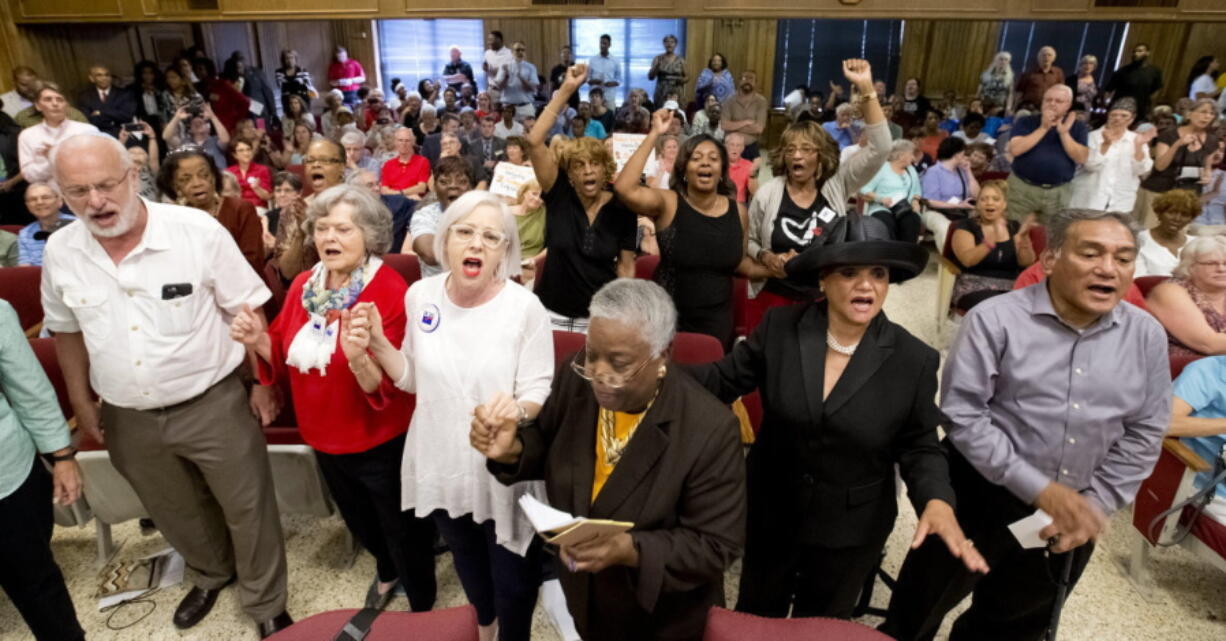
[[247, 327], [361, 329], [494, 429]]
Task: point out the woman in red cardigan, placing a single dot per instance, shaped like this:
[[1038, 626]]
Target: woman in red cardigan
[[254, 179], [354, 417]]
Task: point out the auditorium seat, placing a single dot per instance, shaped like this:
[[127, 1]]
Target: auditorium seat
[[726, 625], [645, 266], [451, 624], [1146, 283], [406, 265], [21, 287], [44, 350], [12, 229], [1038, 239]]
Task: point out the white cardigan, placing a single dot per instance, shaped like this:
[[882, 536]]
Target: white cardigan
[[846, 182]]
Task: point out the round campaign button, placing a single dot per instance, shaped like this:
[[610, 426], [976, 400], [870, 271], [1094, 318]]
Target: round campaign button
[[429, 320]]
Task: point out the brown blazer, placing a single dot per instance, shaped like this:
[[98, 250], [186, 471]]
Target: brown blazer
[[239, 218], [681, 481]]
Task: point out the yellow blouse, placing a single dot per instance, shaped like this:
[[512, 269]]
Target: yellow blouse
[[623, 428]]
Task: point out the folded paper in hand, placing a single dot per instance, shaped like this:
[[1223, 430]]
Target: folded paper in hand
[[1026, 530], [559, 528]]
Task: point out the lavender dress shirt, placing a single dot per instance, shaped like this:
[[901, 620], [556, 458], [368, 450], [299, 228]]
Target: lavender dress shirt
[[1030, 400]]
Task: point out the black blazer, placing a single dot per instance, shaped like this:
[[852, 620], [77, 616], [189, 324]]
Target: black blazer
[[107, 116], [681, 481], [822, 472]]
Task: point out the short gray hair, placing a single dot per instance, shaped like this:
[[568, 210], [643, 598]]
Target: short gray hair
[[428, 110], [356, 176], [369, 214], [1058, 225], [467, 204], [354, 138], [900, 146], [75, 141], [1197, 248], [845, 108], [639, 303]]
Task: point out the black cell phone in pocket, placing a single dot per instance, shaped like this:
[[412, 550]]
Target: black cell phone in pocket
[[176, 290]]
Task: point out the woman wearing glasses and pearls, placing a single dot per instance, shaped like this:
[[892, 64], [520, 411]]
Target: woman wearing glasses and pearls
[[471, 334], [626, 437], [809, 191], [846, 396]]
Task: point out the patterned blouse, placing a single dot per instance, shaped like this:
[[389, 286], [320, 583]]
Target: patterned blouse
[[1216, 319]]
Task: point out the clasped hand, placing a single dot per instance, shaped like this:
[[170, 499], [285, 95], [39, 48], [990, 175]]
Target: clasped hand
[[494, 428]]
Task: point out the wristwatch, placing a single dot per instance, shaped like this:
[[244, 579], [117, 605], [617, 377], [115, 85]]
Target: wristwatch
[[71, 455]]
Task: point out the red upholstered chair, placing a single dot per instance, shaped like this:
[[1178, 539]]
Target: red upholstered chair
[[1038, 239], [696, 348], [21, 287], [566, 345], [1146, 283], [452, 624], [406, 265], [645, 266], [12, 229], [1180, 362], [726, 625]]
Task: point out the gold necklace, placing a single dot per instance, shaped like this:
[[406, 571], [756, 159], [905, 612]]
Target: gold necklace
[[613, 446]]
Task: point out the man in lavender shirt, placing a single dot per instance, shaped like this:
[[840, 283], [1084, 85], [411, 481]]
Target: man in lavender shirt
[[1056, 397]]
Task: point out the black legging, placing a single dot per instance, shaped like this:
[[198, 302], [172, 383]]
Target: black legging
[[905, 227]]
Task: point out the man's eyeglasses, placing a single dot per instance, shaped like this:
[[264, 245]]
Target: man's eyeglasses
[[106, 188], [616, 378], [491, 238], [310, 160]]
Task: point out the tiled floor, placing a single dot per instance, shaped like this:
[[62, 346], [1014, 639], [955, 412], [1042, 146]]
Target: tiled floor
[[1190, 603]]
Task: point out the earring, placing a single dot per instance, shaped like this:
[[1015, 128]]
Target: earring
[[663, 370]]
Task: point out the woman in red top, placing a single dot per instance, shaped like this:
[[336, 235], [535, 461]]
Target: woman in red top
[[254, 179], [346, 74], [352, 415]]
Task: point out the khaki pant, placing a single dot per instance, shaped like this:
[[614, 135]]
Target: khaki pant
[[1025, 199], [201, 469]]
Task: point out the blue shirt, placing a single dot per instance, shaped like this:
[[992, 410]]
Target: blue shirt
[[845, 136], [30, 249], [1046, 163], [30, 417], [1202, 384], [595, 130]]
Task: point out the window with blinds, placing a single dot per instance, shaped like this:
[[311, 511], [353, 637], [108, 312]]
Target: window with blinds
[[414, 50], [810, 52], [635, 41], [1071, 40]]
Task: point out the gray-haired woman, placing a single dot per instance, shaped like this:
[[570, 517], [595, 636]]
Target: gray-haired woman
[[626, 437], [996, 82], [352, 415], [892, 196], [471, 334]]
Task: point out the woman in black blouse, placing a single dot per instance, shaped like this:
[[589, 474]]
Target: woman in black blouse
[[1180, 159], [294, 80], [990, 249]]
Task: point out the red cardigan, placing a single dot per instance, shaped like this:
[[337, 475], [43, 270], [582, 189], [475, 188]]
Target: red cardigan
[[334, 415]]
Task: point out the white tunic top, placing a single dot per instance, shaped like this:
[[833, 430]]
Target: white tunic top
[[1154, 259], [457, 359], [1109, 181]]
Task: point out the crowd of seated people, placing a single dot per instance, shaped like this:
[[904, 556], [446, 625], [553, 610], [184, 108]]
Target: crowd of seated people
[[321, 184]]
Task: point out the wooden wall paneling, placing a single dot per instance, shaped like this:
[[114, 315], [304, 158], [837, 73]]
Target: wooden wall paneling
[[947, 54], [297, 7], [1167, 42], [746, 43], [69, 8], [65, 53], [1202, 6], [224, 38], [359, 39], [162, 42]]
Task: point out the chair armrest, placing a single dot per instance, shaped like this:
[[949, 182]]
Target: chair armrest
[[949, 264], [1185, 455]]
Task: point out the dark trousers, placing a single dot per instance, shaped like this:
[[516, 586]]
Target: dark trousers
[[501, 584], [402, 214], [1013, 602], [813, 580], [751, 151], [366, 488], [28, 572], [905, 228]]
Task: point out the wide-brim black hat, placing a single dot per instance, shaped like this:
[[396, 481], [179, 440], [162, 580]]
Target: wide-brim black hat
[[858, 240]]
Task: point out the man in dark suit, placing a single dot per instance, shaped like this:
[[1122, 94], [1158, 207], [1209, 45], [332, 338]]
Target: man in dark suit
[[626, 436], [486, 149], [432, 145], [106, 106]]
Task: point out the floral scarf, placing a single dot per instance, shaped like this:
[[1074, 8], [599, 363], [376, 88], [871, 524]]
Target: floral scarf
[[315, 342]]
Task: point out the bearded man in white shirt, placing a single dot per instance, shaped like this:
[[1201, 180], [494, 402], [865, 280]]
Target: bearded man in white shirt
[[139, 294]]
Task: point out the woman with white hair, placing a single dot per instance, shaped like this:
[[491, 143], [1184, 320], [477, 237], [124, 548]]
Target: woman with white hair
[[893, 195], [471, 334], [1085, 88], [625, 436], [996, 82], [353, 415], [1192, 304]]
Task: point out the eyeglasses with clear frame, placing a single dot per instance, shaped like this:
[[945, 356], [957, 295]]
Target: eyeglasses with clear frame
[[615, 380], [106, 188], [491, 238]]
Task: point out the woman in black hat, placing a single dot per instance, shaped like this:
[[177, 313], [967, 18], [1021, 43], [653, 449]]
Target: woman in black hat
[[846, 394]]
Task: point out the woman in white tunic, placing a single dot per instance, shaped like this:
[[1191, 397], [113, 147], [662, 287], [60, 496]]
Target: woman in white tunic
[[472, 334]]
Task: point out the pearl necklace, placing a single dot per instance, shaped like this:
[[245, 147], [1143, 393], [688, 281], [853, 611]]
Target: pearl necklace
[[846, 350]]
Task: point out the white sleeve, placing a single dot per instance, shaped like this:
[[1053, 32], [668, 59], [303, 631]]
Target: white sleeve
[[57, 316], [229, 274], [35, 166], [407, 382], [535, 364]]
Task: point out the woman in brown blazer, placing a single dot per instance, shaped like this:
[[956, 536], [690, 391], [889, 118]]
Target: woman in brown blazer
[[627, 437], [189, 177]]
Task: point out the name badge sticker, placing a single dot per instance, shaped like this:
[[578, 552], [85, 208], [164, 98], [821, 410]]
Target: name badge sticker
[[429, 319], [826, 215]]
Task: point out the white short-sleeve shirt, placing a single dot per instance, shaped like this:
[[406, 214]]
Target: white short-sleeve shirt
[[151, 342]]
